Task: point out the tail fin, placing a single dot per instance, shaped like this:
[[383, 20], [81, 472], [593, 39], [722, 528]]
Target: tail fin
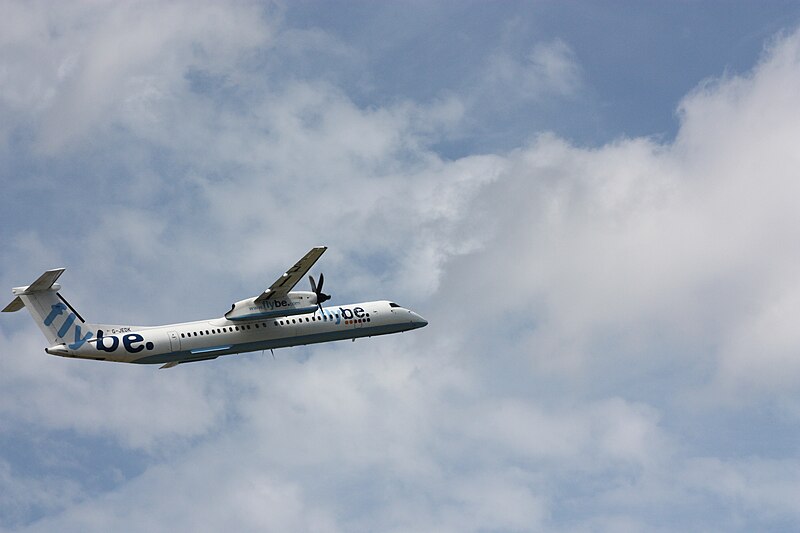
[[51, 312]]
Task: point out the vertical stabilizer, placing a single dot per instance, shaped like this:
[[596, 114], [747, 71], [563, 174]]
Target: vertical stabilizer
[[59, 322]]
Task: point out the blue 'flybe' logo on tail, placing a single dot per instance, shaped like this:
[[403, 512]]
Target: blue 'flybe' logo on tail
[[57, 310]]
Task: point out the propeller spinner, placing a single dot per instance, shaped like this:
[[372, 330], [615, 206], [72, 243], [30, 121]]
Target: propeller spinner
[[317, 289]]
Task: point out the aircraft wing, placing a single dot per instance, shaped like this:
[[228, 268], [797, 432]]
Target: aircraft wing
[[289, 279]]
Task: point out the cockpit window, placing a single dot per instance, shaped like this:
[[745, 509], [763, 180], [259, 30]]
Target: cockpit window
[[392, 304]]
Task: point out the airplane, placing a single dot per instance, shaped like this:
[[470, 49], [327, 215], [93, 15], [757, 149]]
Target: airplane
[[276, 318]]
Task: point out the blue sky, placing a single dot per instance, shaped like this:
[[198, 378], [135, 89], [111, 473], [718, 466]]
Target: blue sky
[[593, 205]]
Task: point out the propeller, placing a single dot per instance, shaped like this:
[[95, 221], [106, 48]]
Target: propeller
[[317, 289]]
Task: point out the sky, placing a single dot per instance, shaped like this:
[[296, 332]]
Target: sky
[[594, 205]]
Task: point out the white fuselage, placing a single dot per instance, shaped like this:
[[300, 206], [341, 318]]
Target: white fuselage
[[209, 339]]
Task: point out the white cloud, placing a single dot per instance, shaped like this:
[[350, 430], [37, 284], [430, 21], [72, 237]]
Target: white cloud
[[683, 247], [139, 409], [549, 69], [582, 301], [83, 67]]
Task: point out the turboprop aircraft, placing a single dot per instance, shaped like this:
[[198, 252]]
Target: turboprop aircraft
[[276, 318]]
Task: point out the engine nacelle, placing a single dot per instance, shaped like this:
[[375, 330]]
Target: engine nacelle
[[295, 303]]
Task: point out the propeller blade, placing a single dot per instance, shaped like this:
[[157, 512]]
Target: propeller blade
[[313, 285], [317, 290]]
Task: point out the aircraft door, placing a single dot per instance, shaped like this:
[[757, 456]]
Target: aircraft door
[[174, 341]]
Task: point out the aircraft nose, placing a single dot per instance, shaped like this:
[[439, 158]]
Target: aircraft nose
[[418, 321]]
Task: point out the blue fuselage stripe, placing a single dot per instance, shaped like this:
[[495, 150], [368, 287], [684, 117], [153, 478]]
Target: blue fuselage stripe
[[213, 349]]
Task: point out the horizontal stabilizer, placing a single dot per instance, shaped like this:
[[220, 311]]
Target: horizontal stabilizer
[[15, 305], [45, 281]]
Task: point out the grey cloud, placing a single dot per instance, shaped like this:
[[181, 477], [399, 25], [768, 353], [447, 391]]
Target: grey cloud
[[584, 304]]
